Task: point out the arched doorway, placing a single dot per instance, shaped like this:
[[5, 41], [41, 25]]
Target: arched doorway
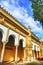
[[9, 54], [11, 40], [1, 44], [20, 50]]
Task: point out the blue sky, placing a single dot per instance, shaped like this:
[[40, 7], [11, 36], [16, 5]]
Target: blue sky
[[22, 11]]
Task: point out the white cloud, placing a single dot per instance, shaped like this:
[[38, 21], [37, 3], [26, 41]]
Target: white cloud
[[13, 1], [21, 14], [5, 3]]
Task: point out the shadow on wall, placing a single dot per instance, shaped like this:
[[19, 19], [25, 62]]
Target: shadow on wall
[[1, 43], [21, 50]]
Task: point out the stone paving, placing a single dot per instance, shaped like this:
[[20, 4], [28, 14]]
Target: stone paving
[[20, 63]]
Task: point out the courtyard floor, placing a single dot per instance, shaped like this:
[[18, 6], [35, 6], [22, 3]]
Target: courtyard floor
[[32, 63]]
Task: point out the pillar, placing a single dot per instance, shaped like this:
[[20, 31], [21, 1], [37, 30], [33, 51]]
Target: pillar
[[16, 54], [33, 48], [2, 54], [24, 54], [38, 51], [24, 46]]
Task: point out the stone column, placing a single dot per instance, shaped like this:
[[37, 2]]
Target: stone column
[[16, 54], [38, 52], [2, 54], [35, 52], [3, 49], [24, 54], [24, 46]]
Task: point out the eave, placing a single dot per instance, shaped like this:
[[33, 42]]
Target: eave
[[13, 21]]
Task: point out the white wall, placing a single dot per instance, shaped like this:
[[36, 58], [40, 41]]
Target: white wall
[[16, 36], [12, 33], [4, 32], [35, 45]]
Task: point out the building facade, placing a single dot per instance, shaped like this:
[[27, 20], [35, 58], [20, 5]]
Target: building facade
[[17, 43]]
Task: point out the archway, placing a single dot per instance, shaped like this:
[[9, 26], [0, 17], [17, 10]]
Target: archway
[[11, 40], [1, 44], [20, 50], [9, 54]]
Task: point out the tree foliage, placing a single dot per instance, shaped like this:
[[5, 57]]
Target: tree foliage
[[37, 6]]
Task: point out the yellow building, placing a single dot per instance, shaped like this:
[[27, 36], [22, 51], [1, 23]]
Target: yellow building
[[18, 43]]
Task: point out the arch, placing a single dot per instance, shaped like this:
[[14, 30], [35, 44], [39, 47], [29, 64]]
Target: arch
[[1, 44], [10, 48], [21, 43], [21, 50], [11, 40], [1, 34]]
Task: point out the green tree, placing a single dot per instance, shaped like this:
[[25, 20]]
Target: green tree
[[37, 6]]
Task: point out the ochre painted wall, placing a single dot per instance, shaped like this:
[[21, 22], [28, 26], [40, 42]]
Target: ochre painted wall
[[9, 53], [20, 54]]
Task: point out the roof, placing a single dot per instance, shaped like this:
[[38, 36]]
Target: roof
[[4, 12], [35, 37]]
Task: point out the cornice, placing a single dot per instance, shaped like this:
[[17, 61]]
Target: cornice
[[35, 37], [10, 17]]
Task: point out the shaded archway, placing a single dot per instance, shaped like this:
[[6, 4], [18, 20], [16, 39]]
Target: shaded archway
[[34, 52], [9, 54], [20, 50], [11, 40], [1, 44]]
